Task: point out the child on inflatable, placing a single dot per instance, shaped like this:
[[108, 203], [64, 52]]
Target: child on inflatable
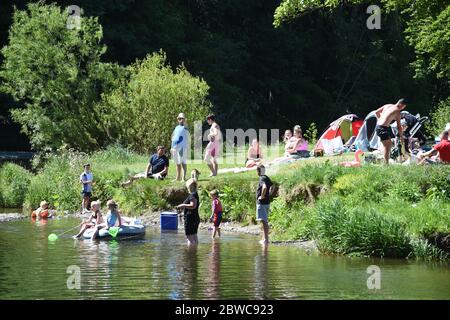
[[41, 212], [113, 218]]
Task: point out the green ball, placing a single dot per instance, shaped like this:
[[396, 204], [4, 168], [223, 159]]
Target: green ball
[[52, 237]]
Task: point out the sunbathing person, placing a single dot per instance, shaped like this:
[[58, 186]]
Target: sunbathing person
[[287, 135], [254, 155], [442, 149], [95, 219], [297, 146], [157, 168]]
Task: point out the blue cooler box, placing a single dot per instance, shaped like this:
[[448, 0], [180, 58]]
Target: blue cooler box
[[169, 221]]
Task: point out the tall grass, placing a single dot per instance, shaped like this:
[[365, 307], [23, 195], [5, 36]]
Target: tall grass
[[14, 184], [377, 211]]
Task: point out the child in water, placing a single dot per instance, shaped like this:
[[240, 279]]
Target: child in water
[[41, 212], [216, 216], [113, 218]]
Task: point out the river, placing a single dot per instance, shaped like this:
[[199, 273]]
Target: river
[[161, 266]]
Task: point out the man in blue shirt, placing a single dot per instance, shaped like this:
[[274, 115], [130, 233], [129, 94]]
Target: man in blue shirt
[[179, 148], [157, 167]]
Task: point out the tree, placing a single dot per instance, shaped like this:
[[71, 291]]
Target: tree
[[141, 112], [428, 27], [56, 73]]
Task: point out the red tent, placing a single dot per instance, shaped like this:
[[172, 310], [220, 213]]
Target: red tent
[[346, 127]]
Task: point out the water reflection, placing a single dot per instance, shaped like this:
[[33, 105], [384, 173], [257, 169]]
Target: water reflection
[[98, 260], [162, 266], [212, 290], [261, 274]]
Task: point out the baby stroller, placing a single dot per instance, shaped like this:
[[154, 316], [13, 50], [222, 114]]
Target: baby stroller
[[413, 136]]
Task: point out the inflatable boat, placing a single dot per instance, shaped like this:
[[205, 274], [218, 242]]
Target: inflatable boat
[[124, 231]]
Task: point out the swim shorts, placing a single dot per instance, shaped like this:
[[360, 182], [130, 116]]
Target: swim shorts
[[384, 132], [217, 219]]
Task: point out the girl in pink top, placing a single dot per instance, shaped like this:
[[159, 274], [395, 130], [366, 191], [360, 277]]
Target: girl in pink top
[[216, 208], [298, 145]]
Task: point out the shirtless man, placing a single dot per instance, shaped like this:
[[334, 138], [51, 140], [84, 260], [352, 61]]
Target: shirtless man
[[213, 149], [385, 115]]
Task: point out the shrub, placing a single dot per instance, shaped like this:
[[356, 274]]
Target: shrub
[[141, 112], [439, 117], [357, 231], [14, 184]]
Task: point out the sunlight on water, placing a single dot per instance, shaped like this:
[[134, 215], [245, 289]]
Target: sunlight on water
[[161, 266]]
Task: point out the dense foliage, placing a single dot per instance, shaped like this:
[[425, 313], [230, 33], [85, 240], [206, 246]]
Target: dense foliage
[[313, 69], [141, 111]]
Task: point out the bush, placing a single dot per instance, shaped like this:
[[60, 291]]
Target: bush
[[439, 118], [357, 231], [141, 112], [14, 184]]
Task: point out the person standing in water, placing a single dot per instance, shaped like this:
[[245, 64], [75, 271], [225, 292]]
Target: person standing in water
[[263, 202], [385, 115], [191, 216], [217, 212]]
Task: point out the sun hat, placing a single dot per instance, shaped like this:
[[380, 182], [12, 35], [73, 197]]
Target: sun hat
[[181, 115]]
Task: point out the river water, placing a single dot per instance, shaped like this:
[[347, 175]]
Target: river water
[[161, 266]]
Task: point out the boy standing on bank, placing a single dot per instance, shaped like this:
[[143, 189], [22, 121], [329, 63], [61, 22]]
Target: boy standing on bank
[[86, 179]]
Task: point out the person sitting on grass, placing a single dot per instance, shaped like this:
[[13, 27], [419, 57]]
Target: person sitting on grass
[[41, 212], [95, 218], [157, 167], [298, 146], [287, 135], [216, 216], [254, 155], [113, 218], [442, 148]]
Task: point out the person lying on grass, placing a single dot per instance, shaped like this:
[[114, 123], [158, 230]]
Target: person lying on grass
[[95, 218], [113, 218], [157, 167], [442, 148]]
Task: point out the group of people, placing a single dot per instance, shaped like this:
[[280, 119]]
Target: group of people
[[440, 153], [158, 165], [191, 205], [296, 146]]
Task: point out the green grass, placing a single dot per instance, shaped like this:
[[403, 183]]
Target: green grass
[[372, 211]]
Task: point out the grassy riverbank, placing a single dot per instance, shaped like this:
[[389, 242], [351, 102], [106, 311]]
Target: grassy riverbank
[[396, 211]]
